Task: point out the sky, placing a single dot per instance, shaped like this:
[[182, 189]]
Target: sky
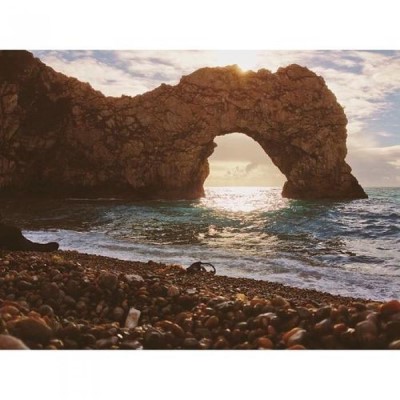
[[366, 84]]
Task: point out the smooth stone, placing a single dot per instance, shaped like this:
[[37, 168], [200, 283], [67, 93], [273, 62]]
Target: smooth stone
[[323, 326], [303, 313], [45, 309], [323, 313], [280, 302], [107, 281], [172, 327], [395, 345], [264, 343], [390, 307], [190, 344], [118, 313], [12, 310], [50, 291], [132, 319], [154, 339], [131, 345], [173, 291], [366, 327], [297, 337], [134, 278], [212, 322], [393, 330], [297, 347], [8, 342], [24, 285], [34, 329], [339, 328], [104, 343]]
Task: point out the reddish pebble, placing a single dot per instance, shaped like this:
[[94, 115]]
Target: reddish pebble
[[395, 345], [212, 322], [297, 347], [339, 328], [8, 342], [264, 343], [391, 307]]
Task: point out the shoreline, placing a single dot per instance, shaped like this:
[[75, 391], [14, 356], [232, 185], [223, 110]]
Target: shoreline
[[71, 300]]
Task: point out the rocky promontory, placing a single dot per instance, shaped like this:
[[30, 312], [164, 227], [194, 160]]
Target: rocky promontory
[[60, 137]]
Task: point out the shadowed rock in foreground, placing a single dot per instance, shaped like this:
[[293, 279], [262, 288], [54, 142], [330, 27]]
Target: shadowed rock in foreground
[[76, 301], [11, 238], [60, 137]]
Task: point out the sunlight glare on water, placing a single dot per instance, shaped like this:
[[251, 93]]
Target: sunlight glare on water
[[243, 199]]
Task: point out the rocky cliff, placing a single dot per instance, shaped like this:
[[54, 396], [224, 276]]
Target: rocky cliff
[[60, 137]]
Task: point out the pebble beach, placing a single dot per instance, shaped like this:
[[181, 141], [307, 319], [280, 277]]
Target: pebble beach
[[70, 300]]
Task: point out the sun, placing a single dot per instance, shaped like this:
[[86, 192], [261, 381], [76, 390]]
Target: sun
[[245, 59]]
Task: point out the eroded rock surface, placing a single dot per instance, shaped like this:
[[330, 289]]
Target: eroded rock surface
[[59, 136]]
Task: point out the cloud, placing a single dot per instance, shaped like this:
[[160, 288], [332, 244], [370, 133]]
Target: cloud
[[377, 166]]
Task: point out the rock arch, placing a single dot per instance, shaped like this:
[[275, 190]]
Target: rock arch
[[60, 136]]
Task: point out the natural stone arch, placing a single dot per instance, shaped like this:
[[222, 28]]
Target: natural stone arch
[[157, 144]]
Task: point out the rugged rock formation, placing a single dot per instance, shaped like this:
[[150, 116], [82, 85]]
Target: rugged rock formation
[[58, 136]]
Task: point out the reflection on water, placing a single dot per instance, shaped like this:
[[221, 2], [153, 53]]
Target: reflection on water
[[341, 247]]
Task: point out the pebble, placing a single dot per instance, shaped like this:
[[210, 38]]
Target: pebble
[[83, 307], [170, 326], [279, 301], [118, 313], [132, 318], [323, 326], [212, 322], [50, 291], [45, 309], [108, 281], [8, 309], [391, 307], [295, 336], [134, 278], [173, 291], [191, 343], [154, 339], [8, 342], [264, 343], [395, 345], [28, 328]]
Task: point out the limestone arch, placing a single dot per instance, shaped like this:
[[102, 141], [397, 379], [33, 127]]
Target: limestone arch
[[157, 144], [291, 114]]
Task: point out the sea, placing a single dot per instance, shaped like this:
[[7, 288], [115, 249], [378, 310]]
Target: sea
[[350, 248]]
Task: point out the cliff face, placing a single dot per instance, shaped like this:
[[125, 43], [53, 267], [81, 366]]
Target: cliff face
[[58, 136]]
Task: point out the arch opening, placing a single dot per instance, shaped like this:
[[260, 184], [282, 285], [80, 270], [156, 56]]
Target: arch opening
[[238, 160]]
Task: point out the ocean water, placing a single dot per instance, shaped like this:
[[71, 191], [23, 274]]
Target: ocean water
[[348, 248]]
